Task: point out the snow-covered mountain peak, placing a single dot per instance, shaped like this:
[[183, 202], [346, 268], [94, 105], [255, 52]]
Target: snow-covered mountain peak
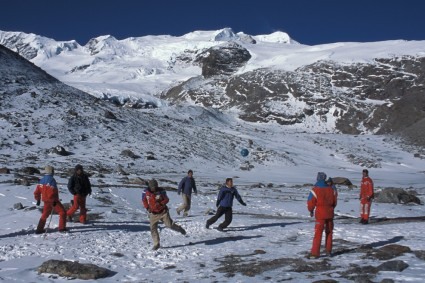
[[276, 37], [225, 34]]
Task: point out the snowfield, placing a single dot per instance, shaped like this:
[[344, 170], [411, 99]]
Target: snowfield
[[274, 226]]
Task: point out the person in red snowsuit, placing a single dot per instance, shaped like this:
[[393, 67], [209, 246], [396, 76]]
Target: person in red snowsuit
[[366, 196], [47, 191], [323, 199]]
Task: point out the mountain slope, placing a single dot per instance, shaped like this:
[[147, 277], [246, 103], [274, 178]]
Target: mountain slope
[[342, 87]]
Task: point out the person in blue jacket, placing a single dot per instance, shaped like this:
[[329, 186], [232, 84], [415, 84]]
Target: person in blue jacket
[[224, 204], [185, 188]]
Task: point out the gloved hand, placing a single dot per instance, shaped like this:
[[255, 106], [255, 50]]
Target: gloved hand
[[55, 203], [244, 204], [311, 213], [38, 203]]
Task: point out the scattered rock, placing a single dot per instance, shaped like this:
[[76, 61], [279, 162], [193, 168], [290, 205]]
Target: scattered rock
[[420, 254], [388, 252], [110, 115], [129, 153], [59, 150], [30, 170], [18, 206], [396, 195], [22, 181], [4, 170], [394, 265], [72, 269]]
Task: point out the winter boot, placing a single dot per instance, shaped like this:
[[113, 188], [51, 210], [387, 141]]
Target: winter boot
[[40, 231], [40, 227], [182, 230], [155, 247]]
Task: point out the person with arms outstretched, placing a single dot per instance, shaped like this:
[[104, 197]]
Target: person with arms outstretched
[[224, 203]]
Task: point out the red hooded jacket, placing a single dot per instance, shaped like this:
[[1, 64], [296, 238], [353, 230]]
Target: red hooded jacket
[[323, 198], [155, 202], [366, 189]]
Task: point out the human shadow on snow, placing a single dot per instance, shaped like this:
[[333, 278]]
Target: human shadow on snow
[[367, 246], [217, 241], [259, 226], [19, 233], [142, 226], [119, 226]]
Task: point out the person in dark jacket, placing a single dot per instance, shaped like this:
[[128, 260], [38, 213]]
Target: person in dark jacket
[[155, 200], [186, 185], [79, 185], [47, 191], [224, 203]]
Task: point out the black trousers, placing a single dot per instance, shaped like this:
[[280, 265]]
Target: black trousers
[[228, 215]]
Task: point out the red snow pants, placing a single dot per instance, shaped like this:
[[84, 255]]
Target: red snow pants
[[328, 226], [79, 202], [47, 210], [365, 209]]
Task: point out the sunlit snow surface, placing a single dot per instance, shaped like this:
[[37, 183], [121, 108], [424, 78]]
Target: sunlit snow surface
[[276, 219]]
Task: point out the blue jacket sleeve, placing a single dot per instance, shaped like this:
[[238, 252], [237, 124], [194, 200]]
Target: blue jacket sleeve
[[194, 186], [219, 197], [238, 197], [180, 188]]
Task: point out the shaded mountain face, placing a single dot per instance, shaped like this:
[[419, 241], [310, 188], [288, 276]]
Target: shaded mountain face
[[384, 97], [39, 114]]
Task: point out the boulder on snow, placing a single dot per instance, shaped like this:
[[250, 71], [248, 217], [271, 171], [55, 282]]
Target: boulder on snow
[[129, 153], [30, 170], [396, 195], [59, 150], [4, 170], [342, 181], [18, 206], [71, 269], [393, 265]]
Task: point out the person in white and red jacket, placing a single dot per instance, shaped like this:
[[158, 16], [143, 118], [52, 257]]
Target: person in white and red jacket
[[47, 191], [155, 200], [321, 203]]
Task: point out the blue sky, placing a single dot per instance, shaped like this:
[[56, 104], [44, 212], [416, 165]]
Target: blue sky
[[307, 21]]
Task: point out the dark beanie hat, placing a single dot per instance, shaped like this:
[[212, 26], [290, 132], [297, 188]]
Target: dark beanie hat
[[153, 184], [78, 167], [321, 176]]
